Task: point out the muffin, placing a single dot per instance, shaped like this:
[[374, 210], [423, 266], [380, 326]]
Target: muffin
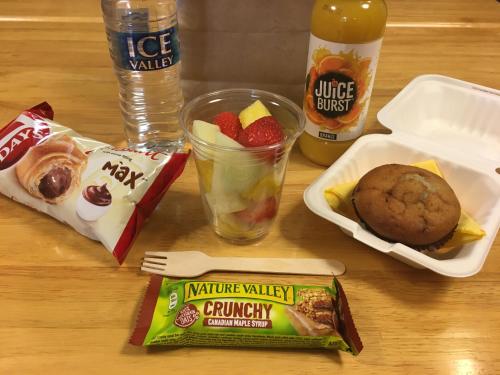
[[410, 205]]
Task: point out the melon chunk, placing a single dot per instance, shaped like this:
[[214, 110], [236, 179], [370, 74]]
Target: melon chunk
[[234, 171], [223, 140], [224, 203], [205, 131], [252, 113]]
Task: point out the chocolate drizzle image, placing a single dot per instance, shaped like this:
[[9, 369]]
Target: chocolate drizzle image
[[98, 195], [94, 201]]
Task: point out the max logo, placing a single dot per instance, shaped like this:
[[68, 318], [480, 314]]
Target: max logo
[[18, 137], [122, 172]]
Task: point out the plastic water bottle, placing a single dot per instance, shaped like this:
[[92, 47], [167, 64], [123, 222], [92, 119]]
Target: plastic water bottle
[[144, 45]]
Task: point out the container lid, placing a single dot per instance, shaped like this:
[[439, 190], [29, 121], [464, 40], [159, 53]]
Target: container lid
[[457, 115]]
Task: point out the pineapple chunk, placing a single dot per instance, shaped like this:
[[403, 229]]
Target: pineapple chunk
[[252, 113], [205, 173], [266, 187]]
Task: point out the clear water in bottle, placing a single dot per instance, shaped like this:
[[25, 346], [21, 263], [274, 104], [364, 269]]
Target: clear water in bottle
[[144, 46]]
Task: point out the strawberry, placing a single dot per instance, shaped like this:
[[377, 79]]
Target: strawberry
[[229, 124], [260, 211], [262, 132]]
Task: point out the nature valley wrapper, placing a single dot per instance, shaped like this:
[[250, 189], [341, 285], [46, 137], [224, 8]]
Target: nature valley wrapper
[[212, 313], [103, 192], [468, 230]]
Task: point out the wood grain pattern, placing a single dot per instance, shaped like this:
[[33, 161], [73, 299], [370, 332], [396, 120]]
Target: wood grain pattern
[[66, 308]]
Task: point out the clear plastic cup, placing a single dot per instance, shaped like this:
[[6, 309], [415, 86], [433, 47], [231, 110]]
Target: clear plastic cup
[[240, 187]]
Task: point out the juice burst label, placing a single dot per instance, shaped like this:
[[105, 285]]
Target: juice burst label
[[338, 87]]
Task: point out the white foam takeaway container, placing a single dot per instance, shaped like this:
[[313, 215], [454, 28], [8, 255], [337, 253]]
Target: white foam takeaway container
[[457, 124]]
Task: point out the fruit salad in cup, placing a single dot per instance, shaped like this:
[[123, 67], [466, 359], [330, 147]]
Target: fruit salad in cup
[[241, 160]]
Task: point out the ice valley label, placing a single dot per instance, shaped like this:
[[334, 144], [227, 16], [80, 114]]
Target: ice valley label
[[143, 51]]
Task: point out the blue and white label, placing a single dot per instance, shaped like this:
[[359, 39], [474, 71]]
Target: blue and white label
[[143, 51]]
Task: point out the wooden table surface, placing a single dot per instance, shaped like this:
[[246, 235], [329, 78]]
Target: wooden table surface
[[67, 308]]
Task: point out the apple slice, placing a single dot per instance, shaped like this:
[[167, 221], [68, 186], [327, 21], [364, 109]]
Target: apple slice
[[252, 113]]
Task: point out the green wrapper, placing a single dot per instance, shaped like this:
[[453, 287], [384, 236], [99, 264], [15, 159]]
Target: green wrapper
[[211, 313]]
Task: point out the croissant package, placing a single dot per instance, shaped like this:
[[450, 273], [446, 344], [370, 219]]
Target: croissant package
[[103, 192]]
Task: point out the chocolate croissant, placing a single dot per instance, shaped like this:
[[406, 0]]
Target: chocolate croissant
[[51, 170]]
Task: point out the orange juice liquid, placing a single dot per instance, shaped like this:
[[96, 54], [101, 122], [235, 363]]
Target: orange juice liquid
[[346, 36]]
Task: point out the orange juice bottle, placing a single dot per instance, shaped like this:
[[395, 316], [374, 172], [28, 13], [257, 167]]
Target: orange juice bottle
[[345, 41]]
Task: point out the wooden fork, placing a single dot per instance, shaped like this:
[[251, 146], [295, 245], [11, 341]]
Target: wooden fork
[[196, 263]]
